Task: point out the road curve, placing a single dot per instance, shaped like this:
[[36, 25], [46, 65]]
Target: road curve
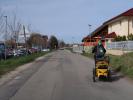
[[68, 76]]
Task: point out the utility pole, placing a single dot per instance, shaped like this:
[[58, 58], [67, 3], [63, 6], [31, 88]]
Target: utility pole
[[5, 35], [25, 39]]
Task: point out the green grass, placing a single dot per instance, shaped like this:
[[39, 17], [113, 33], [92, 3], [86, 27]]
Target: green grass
[[70, 49], [90, 55], [122, 63], [12, 63]]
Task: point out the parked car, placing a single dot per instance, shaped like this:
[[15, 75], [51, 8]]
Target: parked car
[[15, 53], [45, 50], [61, 49], [2, 50], [9, 52], [5, 52], [19, 52], [33, 50]]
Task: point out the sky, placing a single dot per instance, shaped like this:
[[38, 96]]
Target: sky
[[68, 20]]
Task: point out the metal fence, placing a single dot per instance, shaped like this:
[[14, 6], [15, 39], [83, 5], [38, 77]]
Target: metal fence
[[78, 49], [123, 45]]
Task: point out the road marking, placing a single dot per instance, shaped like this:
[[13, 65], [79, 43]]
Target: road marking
[[53, 91], [17, 78]]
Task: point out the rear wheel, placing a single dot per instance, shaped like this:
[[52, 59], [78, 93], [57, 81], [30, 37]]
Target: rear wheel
[[107, 59], [109, 75], [94, 74]]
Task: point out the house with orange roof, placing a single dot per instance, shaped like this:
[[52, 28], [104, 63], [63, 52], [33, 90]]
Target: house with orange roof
[[121, 25]]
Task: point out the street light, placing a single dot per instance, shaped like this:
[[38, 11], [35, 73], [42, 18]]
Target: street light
[[73, 40], [89, 28], [90, 31], [5, 35]]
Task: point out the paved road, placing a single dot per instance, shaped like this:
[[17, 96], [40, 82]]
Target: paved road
[[67, 76]]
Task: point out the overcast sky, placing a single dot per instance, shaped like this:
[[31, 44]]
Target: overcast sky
[[67, 19]]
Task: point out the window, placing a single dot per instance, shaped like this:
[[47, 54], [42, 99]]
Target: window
[[120, 23], [111, 28]]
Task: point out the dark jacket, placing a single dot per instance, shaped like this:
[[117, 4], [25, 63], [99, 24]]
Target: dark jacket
[[96, 50]]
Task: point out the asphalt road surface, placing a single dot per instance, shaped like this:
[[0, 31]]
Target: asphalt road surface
[[65, 76]]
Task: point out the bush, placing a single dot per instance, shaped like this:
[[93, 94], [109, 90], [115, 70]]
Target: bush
[[130, 36], [120, 38]]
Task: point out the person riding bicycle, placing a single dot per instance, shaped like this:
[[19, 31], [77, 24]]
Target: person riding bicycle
[[99, 51]]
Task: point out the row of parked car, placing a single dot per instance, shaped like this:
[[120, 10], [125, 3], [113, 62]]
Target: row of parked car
[[16, 52], [8, 52]]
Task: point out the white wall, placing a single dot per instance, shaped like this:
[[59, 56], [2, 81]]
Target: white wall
[[131, 25], [120, 27]]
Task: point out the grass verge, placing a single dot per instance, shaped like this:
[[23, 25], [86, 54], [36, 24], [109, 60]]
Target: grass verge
[[122, 63], [70, 49], [12, 63], [90, 55]]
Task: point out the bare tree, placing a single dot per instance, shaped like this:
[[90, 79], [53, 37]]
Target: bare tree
[[11, 43], [14, 28], [2, 23], [36, 40]]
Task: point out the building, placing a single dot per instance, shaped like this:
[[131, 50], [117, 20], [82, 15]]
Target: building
[[22, 36], [121, 25]]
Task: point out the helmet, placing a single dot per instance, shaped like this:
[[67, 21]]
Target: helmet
[[99, 42]]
